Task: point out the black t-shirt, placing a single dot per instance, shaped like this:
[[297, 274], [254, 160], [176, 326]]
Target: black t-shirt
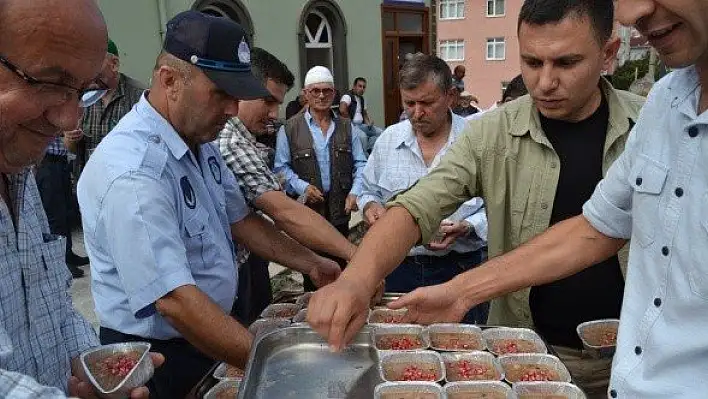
[[596, 292]]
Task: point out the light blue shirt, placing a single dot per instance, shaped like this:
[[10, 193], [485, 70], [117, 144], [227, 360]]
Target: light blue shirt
[[396, 163], [656, 193], [156, 217], [293, 183]]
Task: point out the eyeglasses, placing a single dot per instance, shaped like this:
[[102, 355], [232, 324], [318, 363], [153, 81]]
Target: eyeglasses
[[63, 93], [317, 92]]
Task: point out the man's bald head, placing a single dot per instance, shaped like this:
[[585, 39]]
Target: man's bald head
[[56, 41]]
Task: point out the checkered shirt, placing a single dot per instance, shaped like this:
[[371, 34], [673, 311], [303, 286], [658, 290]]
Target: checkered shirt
[[251, 163], [99, 119], [40, 331], [57, 147]]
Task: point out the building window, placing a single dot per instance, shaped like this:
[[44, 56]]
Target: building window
[[496, 8], [496, 49], [322, 37], [318, 40], [452, 9], [452, 50]]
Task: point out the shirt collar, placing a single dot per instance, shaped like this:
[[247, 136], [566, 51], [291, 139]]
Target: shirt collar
[[681, 88], [160, 127], [406, 137], [238, 126], [528, 121]]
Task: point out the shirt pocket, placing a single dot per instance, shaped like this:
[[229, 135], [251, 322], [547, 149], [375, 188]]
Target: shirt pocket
[[647, 177], [698, 269], [198, 240], [49, 296]]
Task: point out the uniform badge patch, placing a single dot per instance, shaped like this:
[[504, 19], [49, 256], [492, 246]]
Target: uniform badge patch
[[244, 52], [215, 169], [190, 198]]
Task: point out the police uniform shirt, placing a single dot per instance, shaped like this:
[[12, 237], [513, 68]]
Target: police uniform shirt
[[156, 217]]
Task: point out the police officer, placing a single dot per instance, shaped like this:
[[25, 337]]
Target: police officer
[[160, 209]]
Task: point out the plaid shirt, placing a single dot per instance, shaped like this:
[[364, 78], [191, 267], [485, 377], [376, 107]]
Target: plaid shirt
[[99, 119], [57, 147], [251, 163], [40, 331]]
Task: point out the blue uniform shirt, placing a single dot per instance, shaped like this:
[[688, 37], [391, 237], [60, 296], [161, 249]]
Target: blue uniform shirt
[[156, 217]]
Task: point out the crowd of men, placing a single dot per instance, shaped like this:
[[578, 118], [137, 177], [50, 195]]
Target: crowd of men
[[187, 192]]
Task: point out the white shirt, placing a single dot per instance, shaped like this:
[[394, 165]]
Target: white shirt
[[358, 117], [656, 193], [396, 163]]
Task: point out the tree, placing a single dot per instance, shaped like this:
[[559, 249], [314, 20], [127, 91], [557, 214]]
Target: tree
[[632, 70]]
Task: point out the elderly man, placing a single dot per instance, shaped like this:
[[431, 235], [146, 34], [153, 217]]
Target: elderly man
[[45, 70], [319, 156], [160, 208], [535, 161], [252, 163], [102, 117], [406, 152]]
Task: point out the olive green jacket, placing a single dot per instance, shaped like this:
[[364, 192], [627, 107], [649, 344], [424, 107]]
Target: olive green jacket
[[506, 158]]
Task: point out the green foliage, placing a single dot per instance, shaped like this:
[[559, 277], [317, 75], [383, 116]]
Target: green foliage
[[632, 70]]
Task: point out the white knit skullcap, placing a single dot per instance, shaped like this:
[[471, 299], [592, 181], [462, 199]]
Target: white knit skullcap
[[318, 74]]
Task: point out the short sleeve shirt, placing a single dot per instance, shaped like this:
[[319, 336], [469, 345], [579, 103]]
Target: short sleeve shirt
[[156, 217]]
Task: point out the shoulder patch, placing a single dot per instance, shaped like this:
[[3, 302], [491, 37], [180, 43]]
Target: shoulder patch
[[154, 159]]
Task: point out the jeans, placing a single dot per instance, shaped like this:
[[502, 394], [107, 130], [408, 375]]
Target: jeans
[[372, 134], [421, 271], [254, 290], [54, 184]]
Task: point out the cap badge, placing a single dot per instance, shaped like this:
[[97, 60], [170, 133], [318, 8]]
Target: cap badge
[[194, 59], [244, 53]]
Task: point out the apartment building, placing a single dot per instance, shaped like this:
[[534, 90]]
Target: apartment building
[[481, 35]]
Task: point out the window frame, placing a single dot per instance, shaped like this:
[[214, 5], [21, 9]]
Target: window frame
[[494, 42], [495, 14], [457, 4], [445, 44]]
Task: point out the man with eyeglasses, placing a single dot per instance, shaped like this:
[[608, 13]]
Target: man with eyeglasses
[[101, 117], [44, 70], [320, 157]]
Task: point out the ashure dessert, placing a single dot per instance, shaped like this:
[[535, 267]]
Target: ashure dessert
[[531, 372], [233, 372], [504, 346], [409, 395], [477, 395], [112, 370], [601, 335], [227, 393], [455, 341], [387, 317], [466, 370], [411, 372], [399, 342]]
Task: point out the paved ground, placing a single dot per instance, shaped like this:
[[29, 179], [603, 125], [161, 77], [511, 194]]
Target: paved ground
[[81, 289]]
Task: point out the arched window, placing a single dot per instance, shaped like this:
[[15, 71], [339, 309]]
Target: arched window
[[318, 40], [323, 40], [232, 9]]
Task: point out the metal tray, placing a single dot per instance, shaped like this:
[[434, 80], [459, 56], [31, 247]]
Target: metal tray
[[296, 363]]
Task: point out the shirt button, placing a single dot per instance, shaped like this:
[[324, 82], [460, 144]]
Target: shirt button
[[154, 139], [693, 131], [638, 350], [544, 206], [665, 251], [657, 302], [554, 165], [613, 393], [679, 192], [639, 181]]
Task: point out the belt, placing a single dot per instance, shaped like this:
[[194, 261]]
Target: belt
[[55, 158]]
